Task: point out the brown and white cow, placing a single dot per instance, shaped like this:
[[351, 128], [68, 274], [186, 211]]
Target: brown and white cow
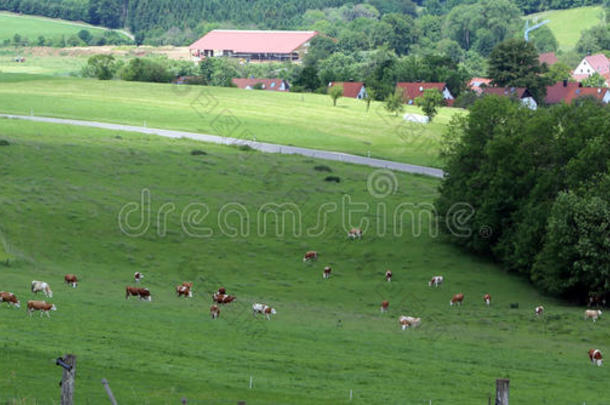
[[222, 291], [214, 311], [263, 309], [539, 311], [457, 299], [9, 298], [384, 306], [42, 306], [597, 300], [388, 275], [141, 293], [596, 357], [187, 284], [436, 281], [71, 279], [137, 276], [183, 290], [223, 298], [310, 256], [355, 233], [326, 273], [38, 286], [487, 299], [408, 321], [593, 314]]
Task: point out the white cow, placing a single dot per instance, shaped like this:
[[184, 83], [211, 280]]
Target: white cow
[[407, 321], [436, 281], [38, 286], [593, 314], [263, 309]]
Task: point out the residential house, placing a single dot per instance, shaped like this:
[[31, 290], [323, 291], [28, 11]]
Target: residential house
[[351, 89], [520, 93], [548, 58], [567, 92], [412, 90], [591, 64], [476, 84], [265, 84]]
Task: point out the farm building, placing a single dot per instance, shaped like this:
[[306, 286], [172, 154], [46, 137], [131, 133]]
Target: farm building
[[567, 92], [412, 90], [265, 84], [520, 93], [591, 64], [253, 46], [351, 89]]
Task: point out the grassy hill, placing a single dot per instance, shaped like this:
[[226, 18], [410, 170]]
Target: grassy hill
[[34, 26], [64, 189], [567, 25], [307, 120]]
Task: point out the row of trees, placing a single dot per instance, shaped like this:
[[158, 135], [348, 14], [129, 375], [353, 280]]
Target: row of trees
[[82, 38], [151, 69], [532, 190]]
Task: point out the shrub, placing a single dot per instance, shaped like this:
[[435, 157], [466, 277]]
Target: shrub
[[198, 152], [322, 168], [333, 178], [4, 142]]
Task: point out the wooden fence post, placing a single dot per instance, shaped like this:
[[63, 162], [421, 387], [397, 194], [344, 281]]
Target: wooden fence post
[[67, 379], [502, 388]]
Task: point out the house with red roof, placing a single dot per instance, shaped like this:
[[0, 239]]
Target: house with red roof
[[476, 84], [253, 46], [548, 57], [519, 93], [412, 90], [263, 84], [591, 64], [351, 89], [567, 92]]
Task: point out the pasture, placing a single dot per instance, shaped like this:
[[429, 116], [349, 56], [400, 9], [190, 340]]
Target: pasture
[[307, 120], [63, 189], [568, 25]]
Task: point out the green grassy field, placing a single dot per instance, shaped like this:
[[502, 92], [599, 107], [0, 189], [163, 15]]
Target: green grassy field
[[55, 65], [32, 26], [63, 189], [567, 25], [307, 120]]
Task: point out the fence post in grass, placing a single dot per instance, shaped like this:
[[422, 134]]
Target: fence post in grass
[[109, 391], [68, 363], [502, 388]]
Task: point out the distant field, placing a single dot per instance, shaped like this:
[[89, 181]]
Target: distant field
[[64, 187], [567, 25], [307, 120], [33, 26]]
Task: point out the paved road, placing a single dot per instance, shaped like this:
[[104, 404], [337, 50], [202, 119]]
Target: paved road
[[261, 146]]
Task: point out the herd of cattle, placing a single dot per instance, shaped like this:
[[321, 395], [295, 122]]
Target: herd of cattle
[[221, 297]]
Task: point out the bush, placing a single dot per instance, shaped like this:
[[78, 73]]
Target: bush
[[198, 152], [466, 99], [4, 142], [322, 168], [145, 70], [333, 178]]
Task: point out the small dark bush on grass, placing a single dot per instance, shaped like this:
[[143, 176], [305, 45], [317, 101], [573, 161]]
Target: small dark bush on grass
[[514, 305], [323, 168], [4, 142], [246, 148], [198, 152], [333, 178]]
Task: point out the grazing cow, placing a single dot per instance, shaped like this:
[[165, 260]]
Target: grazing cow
[[186, 284], [355, 233], [9, 298], [310, 256], [184, 290], [137, 276], [71, 279], [327, 271], [597, 301], [223, 298], [388, 275], [593, 314], [42, 306], [384, 306], [263, 309], [457, 299], [436, 281], [42, 286], [141, 293], [596, 357], [408, 321], [214, 311], [539, 311], [487, 299], [222, 291]]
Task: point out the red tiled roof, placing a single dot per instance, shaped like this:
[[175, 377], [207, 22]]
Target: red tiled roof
[[559, 92], [595, 92], [268, 84], [240, 41], [599, 62], [549, 58], [350, 89], [476, 82], [412, 90], [519, 92]]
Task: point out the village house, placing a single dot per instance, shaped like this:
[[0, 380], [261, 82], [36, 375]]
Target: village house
[[567, 92], [351, 89], [412, 90], [520, 93], [548, 58], [591, 64], [477, 84], [264, 84], [253, 46]]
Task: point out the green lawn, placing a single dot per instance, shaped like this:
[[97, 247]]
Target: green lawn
[[306, 120], [33, 26], [567, 25], [56, 65], [63, 189]]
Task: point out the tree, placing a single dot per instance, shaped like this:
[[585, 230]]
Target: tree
[[85, 36], [368, 98], [595, 80], [429, 102], [335, 93], [544, 40], [559, 72], [403, 34], [395, 103], [308, 78], [102, 66]]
